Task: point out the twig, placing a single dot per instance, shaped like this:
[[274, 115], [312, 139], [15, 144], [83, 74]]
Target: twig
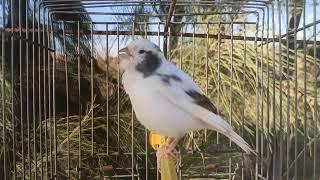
[[166, 28]]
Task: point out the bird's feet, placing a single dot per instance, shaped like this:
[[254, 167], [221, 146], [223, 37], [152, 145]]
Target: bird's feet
[[168, 148]]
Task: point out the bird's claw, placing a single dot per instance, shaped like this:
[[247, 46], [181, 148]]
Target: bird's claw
[[168, 148]]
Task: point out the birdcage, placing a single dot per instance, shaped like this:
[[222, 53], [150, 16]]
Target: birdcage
[[65, 115]]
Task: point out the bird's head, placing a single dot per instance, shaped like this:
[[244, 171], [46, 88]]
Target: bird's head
[[138, 51]]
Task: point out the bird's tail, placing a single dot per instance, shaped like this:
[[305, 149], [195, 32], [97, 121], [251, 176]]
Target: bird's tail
[[239, 141], [218, 124]]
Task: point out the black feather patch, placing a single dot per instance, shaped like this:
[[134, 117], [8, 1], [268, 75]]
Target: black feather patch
[[202, 100], [166, 78], [149, 64]]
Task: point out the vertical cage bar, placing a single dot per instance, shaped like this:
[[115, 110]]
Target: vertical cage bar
[[27, 95], [146, 130], [54, 109], [46, 130], [268, 144], [305, 125], [315, 93], [257, 99], [280, 92], [132, 120], [48, 56], [181, 44], [47, 124], [107, 81], [158, 34], [145, 30], [274, 147], [14, 140], [168, 39], [118, 92], [296, 110], [67, 95], [193, 72], [261, 86], [92, 95], [21, 95], [4, 132], [230, 93], [40, 107], [206, 69], [244, 87], [35, 159], [219, 77], [218, 67], [46, 110], [158, 174], [55, 139], [54, 97], [45, 99], [193, 49], [79, 100], [288, 92]]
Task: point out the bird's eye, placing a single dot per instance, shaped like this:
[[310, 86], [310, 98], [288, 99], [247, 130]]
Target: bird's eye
[[142, 51]]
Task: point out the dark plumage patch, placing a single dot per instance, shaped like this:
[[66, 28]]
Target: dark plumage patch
[[202, 100], [166, 78], [149, 64]]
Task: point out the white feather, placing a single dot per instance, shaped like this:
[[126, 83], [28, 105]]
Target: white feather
[[168, 109], [208, 119]]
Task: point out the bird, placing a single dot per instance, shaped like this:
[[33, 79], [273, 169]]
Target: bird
[[165, 99]]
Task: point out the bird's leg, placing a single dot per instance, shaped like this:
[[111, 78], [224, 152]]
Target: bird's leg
[[168, 148], [171, 148]]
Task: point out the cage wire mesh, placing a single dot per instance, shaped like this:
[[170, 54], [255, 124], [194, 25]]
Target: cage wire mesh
[[64, 114]]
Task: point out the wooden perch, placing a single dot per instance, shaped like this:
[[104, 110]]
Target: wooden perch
[[168, 168]]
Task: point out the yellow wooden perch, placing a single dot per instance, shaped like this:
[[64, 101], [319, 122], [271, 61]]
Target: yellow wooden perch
[[167, 163]]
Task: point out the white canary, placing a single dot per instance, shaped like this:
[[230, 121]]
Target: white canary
[[165, 99]]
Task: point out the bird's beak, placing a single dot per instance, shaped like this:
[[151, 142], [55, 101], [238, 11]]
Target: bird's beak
[[124, 58], [125, 51]]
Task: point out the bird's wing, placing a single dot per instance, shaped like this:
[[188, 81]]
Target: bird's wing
[[184, 93]]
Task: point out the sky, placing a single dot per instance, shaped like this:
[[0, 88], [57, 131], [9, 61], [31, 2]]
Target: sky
[[250, 18], [100, 41]]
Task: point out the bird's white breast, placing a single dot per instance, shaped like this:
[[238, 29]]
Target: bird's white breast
[[154, 111]]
